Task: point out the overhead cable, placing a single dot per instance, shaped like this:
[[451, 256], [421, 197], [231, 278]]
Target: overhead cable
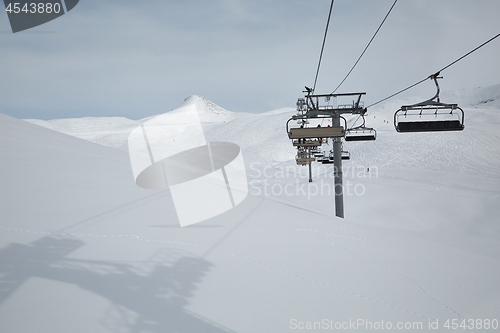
[[323, 46], [362, 53], [442, 69]]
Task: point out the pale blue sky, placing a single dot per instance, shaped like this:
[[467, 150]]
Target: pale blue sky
[[139, 58]]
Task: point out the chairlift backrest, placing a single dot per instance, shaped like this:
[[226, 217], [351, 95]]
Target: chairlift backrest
[[361, 132], [346, 155], [316, 132], [306, 143]]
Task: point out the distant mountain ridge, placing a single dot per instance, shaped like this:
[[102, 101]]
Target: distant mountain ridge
[[263, 135], [113, 131]]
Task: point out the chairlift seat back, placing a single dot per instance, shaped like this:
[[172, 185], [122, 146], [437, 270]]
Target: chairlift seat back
[[302, 161], [309, 143], [316, 132]]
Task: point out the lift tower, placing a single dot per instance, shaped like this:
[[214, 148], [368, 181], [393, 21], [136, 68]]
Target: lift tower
[[313, 109]]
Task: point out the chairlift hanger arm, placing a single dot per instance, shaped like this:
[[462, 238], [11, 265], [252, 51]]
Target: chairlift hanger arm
[[435, 77], [434, 102], [362, 125]]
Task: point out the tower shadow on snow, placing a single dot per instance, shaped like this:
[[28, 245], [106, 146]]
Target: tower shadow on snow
[[149, 296]]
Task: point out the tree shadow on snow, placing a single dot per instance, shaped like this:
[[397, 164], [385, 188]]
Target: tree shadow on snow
[[147, 297]]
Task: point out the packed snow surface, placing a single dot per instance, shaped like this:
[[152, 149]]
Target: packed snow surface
[[83, 249]]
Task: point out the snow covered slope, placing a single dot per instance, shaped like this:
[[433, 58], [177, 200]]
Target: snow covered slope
[[82, 249], [114, 131], [107, 131]]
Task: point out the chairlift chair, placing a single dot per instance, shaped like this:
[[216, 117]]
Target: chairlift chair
[[345, 155], [306, 143], [328, 159], [304, 160], [430, 115], [319, 154], [361, 133], [319, 132], [303, 157]]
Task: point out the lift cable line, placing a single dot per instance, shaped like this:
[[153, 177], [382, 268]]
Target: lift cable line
[[309, 134], [437, 73], [323, 46], [371, 40]]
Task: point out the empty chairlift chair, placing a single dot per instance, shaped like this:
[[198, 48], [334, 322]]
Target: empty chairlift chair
[[319, 154], [430, 115], [346, 155], [361, 133], [326, 159]]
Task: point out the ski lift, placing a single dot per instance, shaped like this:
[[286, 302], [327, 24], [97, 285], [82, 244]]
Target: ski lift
[[430, 115], [319, 154], [327, 160], [361, 133], [303, 157], [314, 151], [307, 143], [304, 160], [303, 132], [346, 155]]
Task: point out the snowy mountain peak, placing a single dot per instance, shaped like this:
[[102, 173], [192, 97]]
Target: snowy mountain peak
[[208, 111]]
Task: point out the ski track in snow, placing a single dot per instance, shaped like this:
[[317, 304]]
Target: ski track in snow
[[393, 250], [373, 262]]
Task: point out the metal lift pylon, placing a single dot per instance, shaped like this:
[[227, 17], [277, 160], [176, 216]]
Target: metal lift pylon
[[337, 170], [312, 109]]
